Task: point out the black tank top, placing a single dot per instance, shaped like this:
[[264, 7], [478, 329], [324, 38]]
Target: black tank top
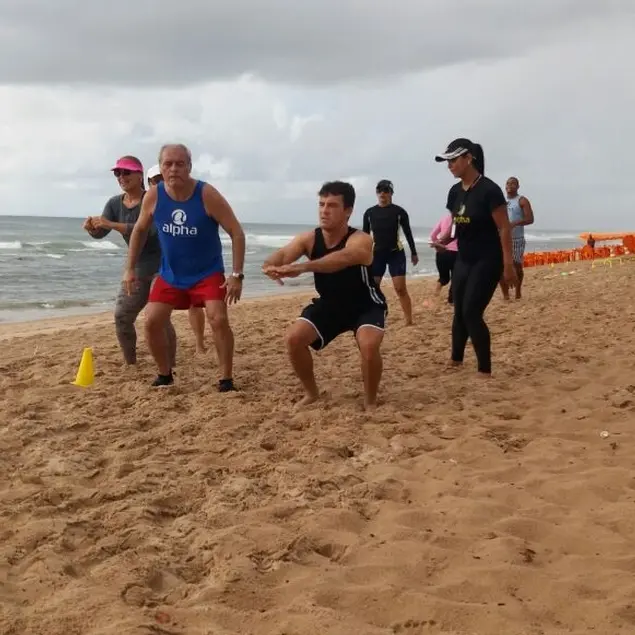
[[353, 287]]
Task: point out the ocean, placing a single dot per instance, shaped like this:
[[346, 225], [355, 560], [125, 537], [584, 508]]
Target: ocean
[[51, 267]]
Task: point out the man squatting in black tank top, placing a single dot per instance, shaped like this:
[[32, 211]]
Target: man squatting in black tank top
[[349, 299]]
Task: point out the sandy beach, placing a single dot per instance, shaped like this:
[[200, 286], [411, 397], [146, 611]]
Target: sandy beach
[[461, 506]]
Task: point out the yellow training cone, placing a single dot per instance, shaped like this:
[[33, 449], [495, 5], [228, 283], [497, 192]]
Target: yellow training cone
[[85, 373]]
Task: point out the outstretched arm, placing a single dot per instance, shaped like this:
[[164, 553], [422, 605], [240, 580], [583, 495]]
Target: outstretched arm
[[358, 251], [141, 229], [291, 252], [404, 222], [220, 210], [100, 226], [104, 225]]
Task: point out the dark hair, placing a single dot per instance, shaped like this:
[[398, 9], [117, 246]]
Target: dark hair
[[339, 188], [458, 147], [478, 158]]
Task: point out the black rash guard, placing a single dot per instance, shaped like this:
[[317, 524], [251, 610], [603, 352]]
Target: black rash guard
[[384, 223]]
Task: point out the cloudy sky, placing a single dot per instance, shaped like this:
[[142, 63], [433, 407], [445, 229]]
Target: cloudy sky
[[275, 97]]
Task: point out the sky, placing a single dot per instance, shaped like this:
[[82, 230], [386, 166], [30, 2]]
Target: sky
[[276, 97]]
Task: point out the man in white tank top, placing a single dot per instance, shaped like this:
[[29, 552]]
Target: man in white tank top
[[520, 215]]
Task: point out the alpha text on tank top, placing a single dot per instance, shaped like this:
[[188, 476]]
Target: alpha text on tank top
[[191, 249], [352, 288], [515, 214]]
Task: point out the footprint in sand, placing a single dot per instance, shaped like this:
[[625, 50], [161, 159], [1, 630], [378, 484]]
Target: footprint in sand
[[411, 627]]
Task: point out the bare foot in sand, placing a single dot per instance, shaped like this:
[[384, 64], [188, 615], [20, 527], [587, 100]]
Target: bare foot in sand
[[370, 406], [201, 350], [452, 365], [307, 400]]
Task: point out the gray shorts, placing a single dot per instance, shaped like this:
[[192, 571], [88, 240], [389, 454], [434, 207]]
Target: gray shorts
[[518, 250]]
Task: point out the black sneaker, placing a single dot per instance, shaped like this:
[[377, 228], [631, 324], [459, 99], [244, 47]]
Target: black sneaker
[[163, 380], [226, 385]]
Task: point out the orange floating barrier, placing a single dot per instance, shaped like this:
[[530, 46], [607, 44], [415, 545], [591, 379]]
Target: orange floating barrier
[[605, 252], [601, 237]]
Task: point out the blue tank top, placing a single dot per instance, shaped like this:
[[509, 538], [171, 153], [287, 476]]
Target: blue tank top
[[191, 249], [515, 213]]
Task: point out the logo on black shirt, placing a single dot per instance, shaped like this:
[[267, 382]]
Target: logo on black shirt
[[460, 217]]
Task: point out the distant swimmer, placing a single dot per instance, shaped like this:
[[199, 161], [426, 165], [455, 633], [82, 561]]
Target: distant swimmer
[[383, 221], [349, 299], [481, 226], [446, 254], [196, 314], [187, 214], [520, 215], [120, 214]]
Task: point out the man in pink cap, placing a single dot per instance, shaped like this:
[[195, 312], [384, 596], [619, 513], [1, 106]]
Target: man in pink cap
[[120, 214]]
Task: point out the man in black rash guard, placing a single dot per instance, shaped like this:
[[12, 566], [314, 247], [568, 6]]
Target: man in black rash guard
[[479, 210], [349, 299], [383, 222]]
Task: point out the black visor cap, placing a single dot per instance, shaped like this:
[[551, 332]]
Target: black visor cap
[[385, 186]]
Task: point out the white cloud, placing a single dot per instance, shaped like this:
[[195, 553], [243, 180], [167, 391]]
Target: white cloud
[[304, 42], [558, 114]]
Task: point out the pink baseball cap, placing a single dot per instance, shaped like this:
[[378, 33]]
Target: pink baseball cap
[[126, 163]]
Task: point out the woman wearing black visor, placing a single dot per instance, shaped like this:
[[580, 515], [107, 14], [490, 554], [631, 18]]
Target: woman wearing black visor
[[481, 226]]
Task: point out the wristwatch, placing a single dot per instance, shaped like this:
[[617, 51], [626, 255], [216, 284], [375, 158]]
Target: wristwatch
[[239, 276]]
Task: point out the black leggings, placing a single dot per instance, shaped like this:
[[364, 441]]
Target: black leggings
[[473, 285], [445, 261]]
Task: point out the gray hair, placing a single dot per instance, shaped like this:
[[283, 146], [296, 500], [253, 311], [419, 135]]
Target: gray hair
[[176, 146]]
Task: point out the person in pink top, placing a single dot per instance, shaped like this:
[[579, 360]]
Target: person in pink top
[[446, 254]]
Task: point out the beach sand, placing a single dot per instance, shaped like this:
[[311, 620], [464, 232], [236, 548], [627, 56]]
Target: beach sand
[[461, 506]]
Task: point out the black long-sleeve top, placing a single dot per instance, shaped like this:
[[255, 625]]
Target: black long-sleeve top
[[384, 223]]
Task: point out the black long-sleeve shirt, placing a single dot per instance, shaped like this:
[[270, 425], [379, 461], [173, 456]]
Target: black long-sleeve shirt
[[384, 223]]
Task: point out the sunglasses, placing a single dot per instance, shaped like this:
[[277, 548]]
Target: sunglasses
[[119, 173], [384, 190]]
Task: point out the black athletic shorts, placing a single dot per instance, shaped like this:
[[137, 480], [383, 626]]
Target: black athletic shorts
[[445, 265], [329, 321], [394, 260]]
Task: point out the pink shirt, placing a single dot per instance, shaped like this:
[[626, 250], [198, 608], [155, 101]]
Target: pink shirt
[[442, 228]]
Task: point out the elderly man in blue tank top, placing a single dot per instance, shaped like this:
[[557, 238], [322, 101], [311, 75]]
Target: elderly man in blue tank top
[[340, 258], [520, 215], [187, 214]]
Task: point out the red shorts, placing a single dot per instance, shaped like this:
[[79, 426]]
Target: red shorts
[[209, 289]]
